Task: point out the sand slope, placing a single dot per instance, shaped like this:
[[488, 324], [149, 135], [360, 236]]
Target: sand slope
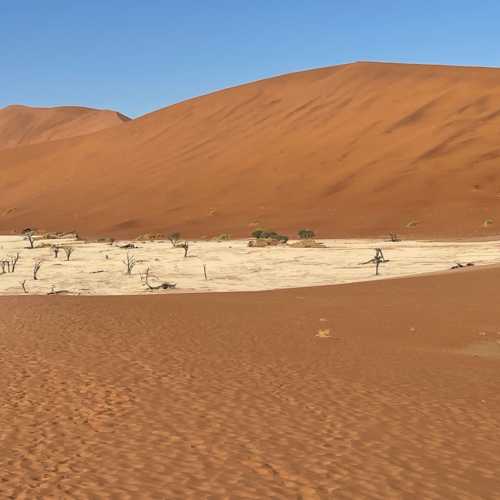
[[21, 125], [235, 396], [353, 150]]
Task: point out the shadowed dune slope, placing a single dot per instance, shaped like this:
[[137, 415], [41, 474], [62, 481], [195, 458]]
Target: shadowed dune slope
[[353, 150], [138, 397], [21, 125]]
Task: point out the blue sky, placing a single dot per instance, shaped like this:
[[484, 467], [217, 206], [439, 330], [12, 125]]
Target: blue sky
[[139, 55]]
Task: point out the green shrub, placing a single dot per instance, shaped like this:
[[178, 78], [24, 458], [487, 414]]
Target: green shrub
[[265, 234], [306, 234]]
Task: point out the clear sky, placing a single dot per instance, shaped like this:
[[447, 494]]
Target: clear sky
[[139, 55]]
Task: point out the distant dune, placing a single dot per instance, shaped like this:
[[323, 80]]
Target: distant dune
[[21, 125], [354, 150]]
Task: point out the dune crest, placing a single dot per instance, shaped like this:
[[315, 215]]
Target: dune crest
[[353, 150], [22, 125]]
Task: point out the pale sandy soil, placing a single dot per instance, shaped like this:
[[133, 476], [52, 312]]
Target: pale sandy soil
[[236, 396], [99, 269]]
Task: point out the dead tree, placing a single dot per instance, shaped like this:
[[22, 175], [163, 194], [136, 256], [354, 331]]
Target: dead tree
[[68, 251], [162, 286], [377, 260], [185, 245], [130, 263], [174, 238], [55, 250], [36, 268], [205, 271], [9, 264], [29, 236], [394, 238], [12, 263], [23, 285], [459, 265]]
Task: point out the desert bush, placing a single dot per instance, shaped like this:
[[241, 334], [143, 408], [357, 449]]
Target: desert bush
[[306, 234], [257, 233], [282, 237]]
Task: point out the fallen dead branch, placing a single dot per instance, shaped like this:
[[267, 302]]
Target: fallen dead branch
[[162, 286]]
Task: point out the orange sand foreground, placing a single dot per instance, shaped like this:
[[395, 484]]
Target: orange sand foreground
[[375, 390]]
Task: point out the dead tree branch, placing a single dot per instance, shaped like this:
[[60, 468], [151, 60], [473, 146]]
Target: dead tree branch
[[162, 286], [130, 263], [36, 268], [377, 260], [68, 251], [29, 236]]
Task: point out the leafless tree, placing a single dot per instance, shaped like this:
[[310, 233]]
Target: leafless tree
[[13, 262], [36, 268], [9, 264], [394, 238], [185, 245], [130, 262], [23, 285], [68, 251], [174, 238], [55, 250], [29, 236], [377, 260], [205, 271]]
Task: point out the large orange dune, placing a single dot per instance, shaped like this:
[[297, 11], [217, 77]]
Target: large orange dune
[[353, 150], [21, 125]]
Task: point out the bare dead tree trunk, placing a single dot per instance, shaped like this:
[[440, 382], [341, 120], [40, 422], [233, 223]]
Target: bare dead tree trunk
[[129, 263], [13, 262], [205, 271], [68, 251], [30, 237], [56, 249], [23, 285], [377, 260], [36, 268]]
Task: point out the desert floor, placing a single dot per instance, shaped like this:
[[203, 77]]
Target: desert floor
[[99, 268], [378, 390]]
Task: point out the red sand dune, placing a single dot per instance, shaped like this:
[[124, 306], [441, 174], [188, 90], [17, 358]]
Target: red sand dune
[[353, 150], [234, 396], [21, 125]]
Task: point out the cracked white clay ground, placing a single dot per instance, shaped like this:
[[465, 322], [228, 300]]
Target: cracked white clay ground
[[99, 269]]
